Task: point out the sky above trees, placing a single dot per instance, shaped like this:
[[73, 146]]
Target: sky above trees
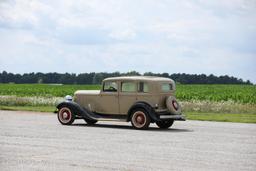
[[211, 37]]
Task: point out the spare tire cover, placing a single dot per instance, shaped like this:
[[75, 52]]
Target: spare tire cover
[[172, 105]]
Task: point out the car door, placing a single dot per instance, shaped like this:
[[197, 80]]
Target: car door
[[108, 99], [127, 95]]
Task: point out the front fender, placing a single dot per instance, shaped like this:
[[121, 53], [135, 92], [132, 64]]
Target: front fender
[[76, 108]]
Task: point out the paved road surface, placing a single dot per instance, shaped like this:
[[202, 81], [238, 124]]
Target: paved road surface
[[36, 141]]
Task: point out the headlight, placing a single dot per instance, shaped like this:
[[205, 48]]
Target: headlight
[[68, 97]]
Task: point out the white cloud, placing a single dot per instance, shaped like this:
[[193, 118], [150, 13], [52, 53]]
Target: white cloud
[[124, 34]]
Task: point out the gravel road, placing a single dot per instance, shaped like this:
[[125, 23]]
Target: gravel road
[[36, 141]]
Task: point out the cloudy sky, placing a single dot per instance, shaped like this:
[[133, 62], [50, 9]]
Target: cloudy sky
[[193, 36]]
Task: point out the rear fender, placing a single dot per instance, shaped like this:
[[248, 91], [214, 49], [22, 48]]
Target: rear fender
[[146, 107]]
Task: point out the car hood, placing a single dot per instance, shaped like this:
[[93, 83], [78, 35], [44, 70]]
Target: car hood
[[87, 92]]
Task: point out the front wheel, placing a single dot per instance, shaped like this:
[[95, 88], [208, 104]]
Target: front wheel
[[66, 116], [164, 124], [140, 119]]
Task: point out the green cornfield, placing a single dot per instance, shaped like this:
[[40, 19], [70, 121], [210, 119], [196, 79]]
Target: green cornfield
[[245, 94], [218, 93], [42, 90]]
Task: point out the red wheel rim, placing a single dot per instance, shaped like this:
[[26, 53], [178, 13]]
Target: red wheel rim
[[175, 105], [65, 115], [139, 119]]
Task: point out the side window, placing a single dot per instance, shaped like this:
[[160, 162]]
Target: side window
[[110, 86], [166, 87], [143, 87], [128, 87]]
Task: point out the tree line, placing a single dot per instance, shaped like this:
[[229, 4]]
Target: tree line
[[96, 78]]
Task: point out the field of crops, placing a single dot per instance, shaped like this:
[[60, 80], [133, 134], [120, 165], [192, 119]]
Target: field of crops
[[42, 90], [245, 94], [218, 93]]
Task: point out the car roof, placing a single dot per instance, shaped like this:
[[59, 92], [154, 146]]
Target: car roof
[[136, 78]]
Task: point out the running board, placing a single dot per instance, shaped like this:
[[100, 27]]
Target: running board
[[109, 119], [104, 117]]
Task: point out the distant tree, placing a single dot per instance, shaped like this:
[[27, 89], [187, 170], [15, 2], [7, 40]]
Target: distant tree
[[4, 77], [132, 73], [96, 78], [40, 81]]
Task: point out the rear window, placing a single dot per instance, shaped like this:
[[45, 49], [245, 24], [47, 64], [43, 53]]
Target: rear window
[[166, 87], [128, 87], [143, 87]]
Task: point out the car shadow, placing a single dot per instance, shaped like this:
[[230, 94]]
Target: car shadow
[[131, 128]]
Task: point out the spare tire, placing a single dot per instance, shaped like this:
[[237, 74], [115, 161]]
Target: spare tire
[[173, 106]]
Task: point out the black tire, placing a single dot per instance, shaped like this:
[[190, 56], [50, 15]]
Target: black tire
[[90, 122], [65, 115], [140, 119], [164, 124]]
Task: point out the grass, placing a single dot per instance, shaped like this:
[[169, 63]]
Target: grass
[[217, 107], [222, 117], [29, 108], [29, 101]]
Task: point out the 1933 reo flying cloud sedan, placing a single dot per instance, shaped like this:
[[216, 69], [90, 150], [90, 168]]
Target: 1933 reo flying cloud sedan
[[140, 100]]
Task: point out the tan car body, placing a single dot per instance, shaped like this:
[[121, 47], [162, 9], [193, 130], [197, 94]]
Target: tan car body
[[120, 102], [139, 99]]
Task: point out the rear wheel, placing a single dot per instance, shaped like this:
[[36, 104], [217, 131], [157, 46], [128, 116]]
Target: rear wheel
[[140, 119], [90, 122], [164, 124], [66, 116]]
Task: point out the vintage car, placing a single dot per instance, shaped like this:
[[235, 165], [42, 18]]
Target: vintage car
[[140, 100]]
